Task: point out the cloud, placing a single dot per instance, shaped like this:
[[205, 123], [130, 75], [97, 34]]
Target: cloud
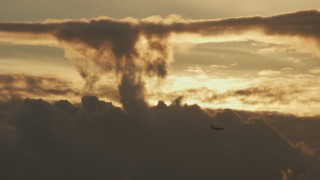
[[97, 140], [107, 30]]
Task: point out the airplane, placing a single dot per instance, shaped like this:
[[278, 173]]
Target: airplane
[[216, 128]]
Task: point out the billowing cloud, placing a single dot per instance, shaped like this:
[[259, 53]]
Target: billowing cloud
[[134, 48], [97, 140]]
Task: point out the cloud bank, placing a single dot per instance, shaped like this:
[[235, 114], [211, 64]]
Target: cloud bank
[[96, 140]]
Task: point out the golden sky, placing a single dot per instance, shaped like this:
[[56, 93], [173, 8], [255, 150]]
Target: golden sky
[[39, 10]]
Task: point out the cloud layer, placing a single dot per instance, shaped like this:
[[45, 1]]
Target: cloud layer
[[97, 140]]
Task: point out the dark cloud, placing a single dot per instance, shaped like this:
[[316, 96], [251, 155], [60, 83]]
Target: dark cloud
[[132, 91], [121, 36], [97, 140]]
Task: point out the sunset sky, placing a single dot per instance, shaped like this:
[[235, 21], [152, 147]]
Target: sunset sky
[[259, 58], [272, 72]]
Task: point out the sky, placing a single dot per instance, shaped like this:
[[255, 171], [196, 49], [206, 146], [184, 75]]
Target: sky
[[152, 77], [220, 65], [37, 10]]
